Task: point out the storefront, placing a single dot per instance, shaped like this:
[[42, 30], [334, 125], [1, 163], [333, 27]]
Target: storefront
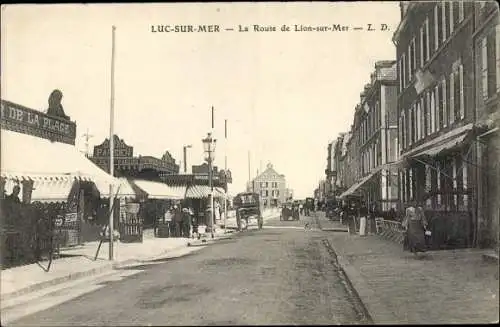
[[438, 177], [44, 181]]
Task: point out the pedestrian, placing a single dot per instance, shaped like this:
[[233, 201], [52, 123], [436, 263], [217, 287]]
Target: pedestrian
[[363, 214], [301, 208], [415, 226], [186, 223], [177, 221], [371, 218]]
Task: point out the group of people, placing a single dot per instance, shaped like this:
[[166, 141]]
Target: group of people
[[414, 223], [179, 222]]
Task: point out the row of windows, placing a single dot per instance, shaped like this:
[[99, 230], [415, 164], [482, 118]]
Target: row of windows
[[266, 184], [445, 188], [371, 122], [266, 193], [433, 33], [434, 109], [371, 157]]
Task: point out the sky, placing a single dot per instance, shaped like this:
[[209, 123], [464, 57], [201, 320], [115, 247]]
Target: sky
[[285, 95]]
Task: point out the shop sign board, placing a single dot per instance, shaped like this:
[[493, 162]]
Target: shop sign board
[[21, 119]]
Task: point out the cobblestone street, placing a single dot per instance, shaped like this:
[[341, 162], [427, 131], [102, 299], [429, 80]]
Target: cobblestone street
[[272, 276]]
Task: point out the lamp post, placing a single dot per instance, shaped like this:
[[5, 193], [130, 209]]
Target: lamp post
[[209, 149], [185, 147]]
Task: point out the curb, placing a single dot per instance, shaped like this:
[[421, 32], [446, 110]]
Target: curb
[[83, 274], [56, 281]]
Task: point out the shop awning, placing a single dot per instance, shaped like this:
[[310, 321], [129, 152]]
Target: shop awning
[[158, 190], [219, 191], [122, 190], [451, 144], [25, 157], [198, 192], [355, 187], [446, 141]]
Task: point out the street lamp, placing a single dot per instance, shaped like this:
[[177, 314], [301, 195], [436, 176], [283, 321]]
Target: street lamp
[[209, 149], [185, 160]]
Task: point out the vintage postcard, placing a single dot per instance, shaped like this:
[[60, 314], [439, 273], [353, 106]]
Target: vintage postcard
[[250, 163]]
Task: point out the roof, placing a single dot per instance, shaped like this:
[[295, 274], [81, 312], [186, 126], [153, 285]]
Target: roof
[[25, 157]]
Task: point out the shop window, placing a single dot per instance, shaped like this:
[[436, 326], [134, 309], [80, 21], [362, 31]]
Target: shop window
[[428, 186], [465, 185], [438, 186], [455, 186]]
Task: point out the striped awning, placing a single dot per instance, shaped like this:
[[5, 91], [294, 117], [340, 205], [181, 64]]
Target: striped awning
[[219, 192], [203, 191], [122, 190], [26, 157], [157, 190], [198, 192]]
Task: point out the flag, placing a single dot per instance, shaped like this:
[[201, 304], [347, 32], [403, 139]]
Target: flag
[[422, 80], [366, 107]]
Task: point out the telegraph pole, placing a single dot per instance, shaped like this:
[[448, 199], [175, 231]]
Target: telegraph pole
[[112, 143], [87, 137], [185, 147], [225, 172]]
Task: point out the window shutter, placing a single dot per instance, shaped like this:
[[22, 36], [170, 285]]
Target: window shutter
[[427, 41], [452, 99], [410, 55], [450, 4], [460, 11], [422, 45], [462, 99], [484, 67], [434, 106], [443, 23], [443, 98], [497, 51], [430, 99], [436, 27]]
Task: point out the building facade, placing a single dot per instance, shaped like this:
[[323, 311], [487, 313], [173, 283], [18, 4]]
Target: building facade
[[436, 113], [271, 186], [128, 165], [371, 144], [486, 39]]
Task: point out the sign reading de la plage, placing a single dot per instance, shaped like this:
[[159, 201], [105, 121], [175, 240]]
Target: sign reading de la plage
[[25, 120]]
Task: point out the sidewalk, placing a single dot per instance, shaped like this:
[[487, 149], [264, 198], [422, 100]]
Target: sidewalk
[[79, 262], [454, 286]]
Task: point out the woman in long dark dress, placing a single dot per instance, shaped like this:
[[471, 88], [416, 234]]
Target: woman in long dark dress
[[415, 225]]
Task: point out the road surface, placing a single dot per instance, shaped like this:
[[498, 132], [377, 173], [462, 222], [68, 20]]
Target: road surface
[[283, 274]]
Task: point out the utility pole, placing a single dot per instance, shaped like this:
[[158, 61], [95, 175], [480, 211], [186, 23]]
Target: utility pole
[[225, 172], [185, 147], [112, 144], [87, 137]]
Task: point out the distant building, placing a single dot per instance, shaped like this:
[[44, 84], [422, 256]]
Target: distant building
[[128, 165], [271, 186]]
